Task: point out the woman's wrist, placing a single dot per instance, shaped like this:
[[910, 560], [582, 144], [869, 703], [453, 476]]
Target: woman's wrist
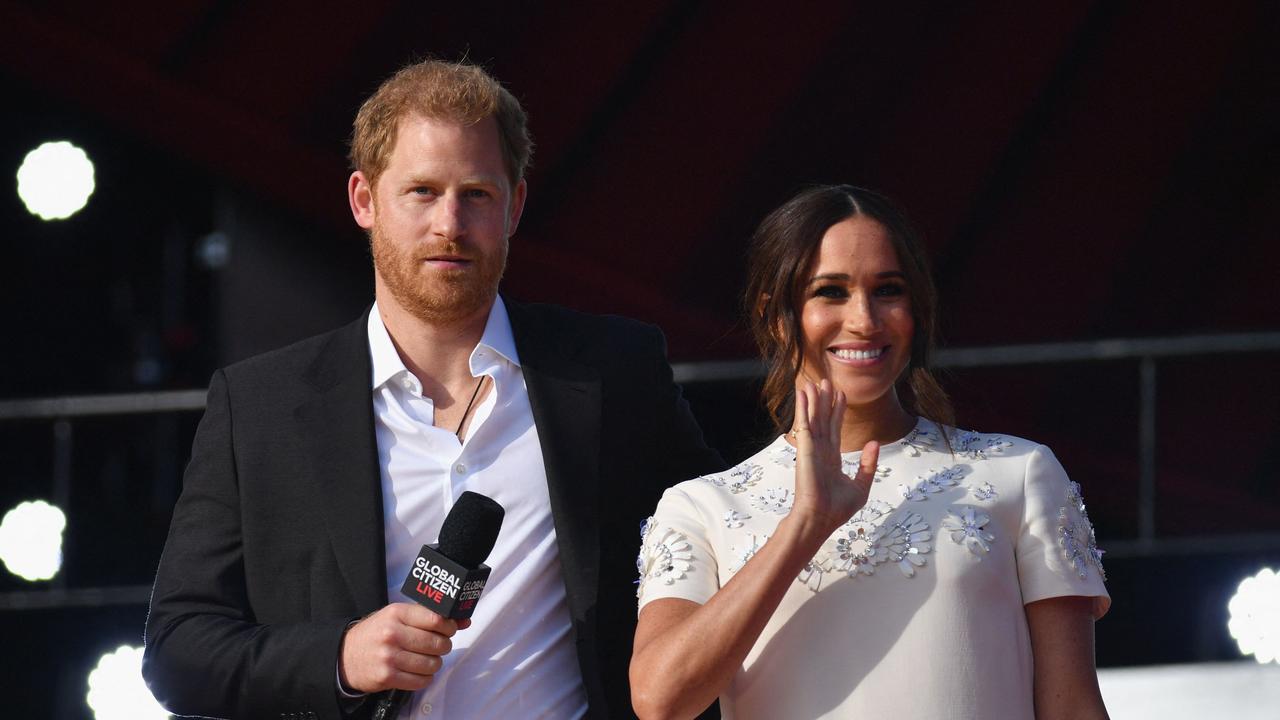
[[806, 532]]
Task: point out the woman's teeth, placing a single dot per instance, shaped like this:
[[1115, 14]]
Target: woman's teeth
[[859, 354]]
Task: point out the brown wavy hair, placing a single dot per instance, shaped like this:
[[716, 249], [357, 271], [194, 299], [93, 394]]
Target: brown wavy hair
[[779, 261], [456, 92]]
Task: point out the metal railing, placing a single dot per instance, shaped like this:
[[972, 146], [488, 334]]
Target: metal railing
[[1147, 351]]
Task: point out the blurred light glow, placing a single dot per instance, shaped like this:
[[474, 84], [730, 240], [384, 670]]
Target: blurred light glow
[[55, 180], [117, 691], [31, 540], [1255, 616]]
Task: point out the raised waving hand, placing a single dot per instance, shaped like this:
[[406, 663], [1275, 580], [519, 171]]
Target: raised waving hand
[[824, 493]]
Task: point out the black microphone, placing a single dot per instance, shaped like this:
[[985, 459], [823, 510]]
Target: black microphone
[[448, 577]]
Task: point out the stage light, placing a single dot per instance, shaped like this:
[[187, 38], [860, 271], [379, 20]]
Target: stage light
[[55, 180], [31, 540], [1255, 616], [116, 688]]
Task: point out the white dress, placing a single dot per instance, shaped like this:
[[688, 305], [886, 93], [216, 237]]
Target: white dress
[[914, 607]]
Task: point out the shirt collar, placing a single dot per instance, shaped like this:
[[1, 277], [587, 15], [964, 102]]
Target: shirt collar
[[497, 337]]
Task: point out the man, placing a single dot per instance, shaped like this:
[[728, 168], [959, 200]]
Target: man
[[319, 470]]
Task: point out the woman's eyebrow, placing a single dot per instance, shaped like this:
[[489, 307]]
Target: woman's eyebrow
[[845, 276]]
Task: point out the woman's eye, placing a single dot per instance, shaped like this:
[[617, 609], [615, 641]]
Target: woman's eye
[[831, 291], [891, 290]]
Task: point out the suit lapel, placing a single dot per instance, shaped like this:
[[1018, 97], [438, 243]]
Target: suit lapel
[[337, 422], [565, 398]]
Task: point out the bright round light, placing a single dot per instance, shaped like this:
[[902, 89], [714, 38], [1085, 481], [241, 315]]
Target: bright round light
[[31, 540], [55, 180], [117, 691], [1255, 616]]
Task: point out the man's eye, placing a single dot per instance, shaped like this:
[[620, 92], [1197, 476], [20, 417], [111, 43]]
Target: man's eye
[[477, 193], [423, 190]]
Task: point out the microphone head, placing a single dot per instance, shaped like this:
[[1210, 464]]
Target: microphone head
[[471, 529]]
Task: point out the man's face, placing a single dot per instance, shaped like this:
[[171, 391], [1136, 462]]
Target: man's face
[[440, 215]]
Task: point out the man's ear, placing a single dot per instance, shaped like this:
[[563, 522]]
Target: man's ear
[[518, 195], [360, 196]]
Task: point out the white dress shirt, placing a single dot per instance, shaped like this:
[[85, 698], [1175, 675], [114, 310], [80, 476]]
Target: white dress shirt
[[518, 658]]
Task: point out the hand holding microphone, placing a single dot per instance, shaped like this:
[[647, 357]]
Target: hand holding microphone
[[400, 646]]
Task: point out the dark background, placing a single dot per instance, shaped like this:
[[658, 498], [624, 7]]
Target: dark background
[[1082, 170]]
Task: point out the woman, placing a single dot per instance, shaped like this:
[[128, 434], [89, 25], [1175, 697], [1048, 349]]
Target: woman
[[873, 561]]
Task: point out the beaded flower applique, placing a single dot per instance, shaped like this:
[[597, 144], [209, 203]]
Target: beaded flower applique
[[918, 440], [872, 538], [665, 555], [773, 500], [1075, 534], [966, 526], [935, 482]]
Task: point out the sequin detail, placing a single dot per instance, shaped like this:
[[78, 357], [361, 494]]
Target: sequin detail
[[966, 526], [918, 440], [935, 482], [773, 500], [974, 446], [850, 467], [785, 455], [744, 553], [905, 542], [743, 477], [862, 544], [1075, 534], [667, 559], [985, 491], [733, 519]]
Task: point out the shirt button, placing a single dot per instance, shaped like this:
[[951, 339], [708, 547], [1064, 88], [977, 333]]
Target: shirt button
[[426, 708], [460, 468]]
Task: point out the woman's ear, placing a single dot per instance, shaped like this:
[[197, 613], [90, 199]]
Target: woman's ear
[[776, 329], [761, 302]]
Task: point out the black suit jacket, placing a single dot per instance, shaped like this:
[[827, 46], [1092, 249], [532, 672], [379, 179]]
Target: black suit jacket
[[276, 542]]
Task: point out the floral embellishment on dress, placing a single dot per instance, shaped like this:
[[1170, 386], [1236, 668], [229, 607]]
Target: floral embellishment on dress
[[918, 440], [985, 491], [935, 482], [733, 519], [716, 479], [850, 467], [904, 542], [742, 554], [785, 455], [811, 575], [668, 558], [868, 515], [743, 477], [1075, 536], [966, 527], [862, 544], [856, 552], [646, 530], [974, 446], [774, 500]]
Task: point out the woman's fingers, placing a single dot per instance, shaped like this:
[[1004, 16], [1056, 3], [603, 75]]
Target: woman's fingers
[[800, 425], [867, 465], [837, 415]]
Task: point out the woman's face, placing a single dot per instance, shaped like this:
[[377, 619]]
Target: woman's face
[[855, 312]]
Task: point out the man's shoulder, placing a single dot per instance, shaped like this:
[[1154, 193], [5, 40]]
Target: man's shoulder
[[299, 358], [581, 326]]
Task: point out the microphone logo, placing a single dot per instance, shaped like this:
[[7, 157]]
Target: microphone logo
[[444, 586]]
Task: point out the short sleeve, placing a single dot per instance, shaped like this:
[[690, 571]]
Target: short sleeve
[[676, 556], [1057, 552]]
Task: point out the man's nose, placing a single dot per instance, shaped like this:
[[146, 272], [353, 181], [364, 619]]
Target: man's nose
[[449, 220]]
